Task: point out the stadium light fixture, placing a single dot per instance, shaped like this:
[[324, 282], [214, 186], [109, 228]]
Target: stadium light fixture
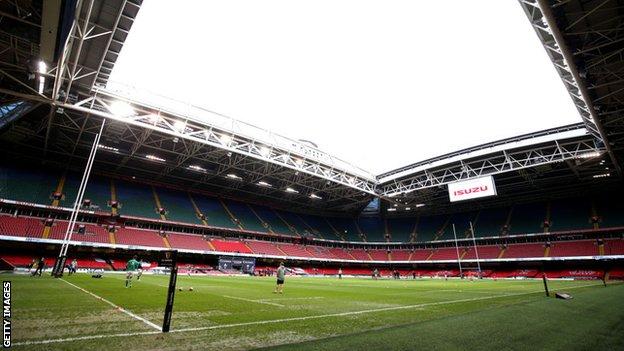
[[233, 176], [108, 148], [42, 68], [265, 151], [121, 109], [314, 196], [180, 126], [197, 168], [589, 155], [263, 183], [392, 209], [291, 190], [299, 162], [154, 158], [408, 208], [419, 205], [153, 118], [225, 139], [602, 175]]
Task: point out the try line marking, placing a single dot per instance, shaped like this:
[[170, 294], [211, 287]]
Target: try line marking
[[272, 321], [115, 306], [256, 301]]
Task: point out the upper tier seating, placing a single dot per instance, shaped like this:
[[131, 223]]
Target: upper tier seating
[[247, 218], [21, 226], [136, 200], [427, 228], [98, 191], [38, 184], [230, 246], [273, 220], [570, 214], [132, 236], [490, 221], [294, 250], [527, 218], [264, 248], [445, 254], [340, 254], [400, 229], [373, 227], [379, 255], [524, 250], [188, 241], [574, 248], [300, 226], [213, 210], [400, 255], [485, 252], [346, 227], [178, 206], [360, 254], [27, 185], [92, 233], [614, 247]]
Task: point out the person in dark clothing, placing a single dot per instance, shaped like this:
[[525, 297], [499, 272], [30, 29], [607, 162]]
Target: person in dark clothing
[[40, 267]]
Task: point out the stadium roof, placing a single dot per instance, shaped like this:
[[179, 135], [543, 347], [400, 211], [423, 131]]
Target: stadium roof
[[62, 106]]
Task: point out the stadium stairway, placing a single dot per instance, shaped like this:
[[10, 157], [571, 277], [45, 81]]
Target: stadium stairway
[[234, 219], [59, 189], [198, 212], [159, 204]]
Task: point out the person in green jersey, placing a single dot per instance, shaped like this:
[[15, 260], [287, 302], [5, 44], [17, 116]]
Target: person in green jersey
[[281, 274], [131, 266]]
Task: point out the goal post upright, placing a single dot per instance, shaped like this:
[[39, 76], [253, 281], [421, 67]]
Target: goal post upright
[[461, 273], [171, 258], [474, 243]]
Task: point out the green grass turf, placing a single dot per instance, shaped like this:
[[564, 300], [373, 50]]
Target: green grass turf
[[232, 314]]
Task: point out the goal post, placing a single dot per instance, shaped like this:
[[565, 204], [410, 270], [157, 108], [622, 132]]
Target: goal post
[[169, 261]]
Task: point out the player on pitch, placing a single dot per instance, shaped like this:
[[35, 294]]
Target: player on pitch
[[132, 266], [281, 274]]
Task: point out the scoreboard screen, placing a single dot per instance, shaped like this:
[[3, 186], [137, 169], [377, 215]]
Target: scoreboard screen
[[242, 264]]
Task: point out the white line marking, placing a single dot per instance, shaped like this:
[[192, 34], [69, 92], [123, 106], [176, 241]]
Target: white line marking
[[115, 306], [256, 301], [293, 298], [78, 338], [224, 326]]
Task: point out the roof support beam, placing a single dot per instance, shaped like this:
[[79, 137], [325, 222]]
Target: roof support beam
[[549, 19]]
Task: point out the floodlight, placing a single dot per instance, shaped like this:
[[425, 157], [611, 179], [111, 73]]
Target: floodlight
[[265, 151], [42, 67], [263, 183], [180, 126], [154, 158], [121, 109], [233, 176], [197, 168], [225, 139], [314, 196], [291, 190]]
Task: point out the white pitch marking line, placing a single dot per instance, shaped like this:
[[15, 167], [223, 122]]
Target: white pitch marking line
[[293, 298], [256, 301], [115, 306], [223, 326]]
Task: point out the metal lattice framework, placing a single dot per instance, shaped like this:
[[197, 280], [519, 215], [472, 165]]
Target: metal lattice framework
[[205, 150], [555, 27], [507, 159]]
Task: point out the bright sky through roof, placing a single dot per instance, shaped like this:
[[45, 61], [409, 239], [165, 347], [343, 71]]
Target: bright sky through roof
[[378, 83]]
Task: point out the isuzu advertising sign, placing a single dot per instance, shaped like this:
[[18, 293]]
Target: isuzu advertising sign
[[472, 189]]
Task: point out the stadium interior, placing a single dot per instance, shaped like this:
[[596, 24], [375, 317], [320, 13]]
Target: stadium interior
[[161, 179]]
